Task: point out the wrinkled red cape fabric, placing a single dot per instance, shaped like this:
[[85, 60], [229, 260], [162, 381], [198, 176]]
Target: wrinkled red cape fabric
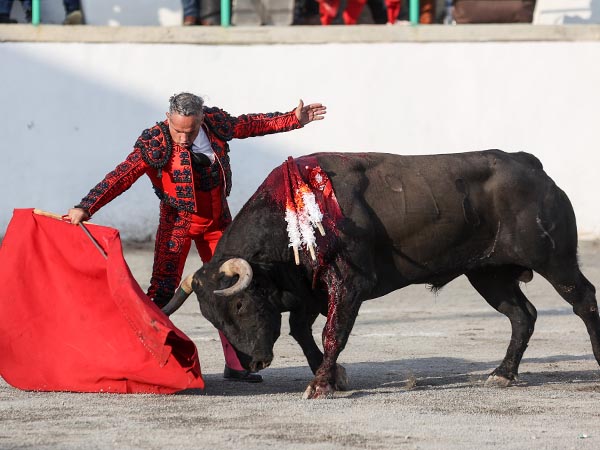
[[71, 320]]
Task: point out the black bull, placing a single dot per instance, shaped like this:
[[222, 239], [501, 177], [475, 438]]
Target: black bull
[[495, 217]]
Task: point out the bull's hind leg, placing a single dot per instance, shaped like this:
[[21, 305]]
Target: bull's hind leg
[[574, 287], [499, 286]]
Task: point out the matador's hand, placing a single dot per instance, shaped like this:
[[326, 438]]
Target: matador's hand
[[306, 114], [77, 215]]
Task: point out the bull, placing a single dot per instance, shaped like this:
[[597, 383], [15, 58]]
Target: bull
[[493, 216]]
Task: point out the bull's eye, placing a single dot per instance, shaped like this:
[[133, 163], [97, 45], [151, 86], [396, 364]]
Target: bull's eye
[[238, 305]]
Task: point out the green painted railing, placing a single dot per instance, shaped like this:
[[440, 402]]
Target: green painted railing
[[35, 12], [413, 12], [225, 13]]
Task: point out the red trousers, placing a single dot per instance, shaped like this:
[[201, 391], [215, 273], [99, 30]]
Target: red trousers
[[328, 10], [176, 231]]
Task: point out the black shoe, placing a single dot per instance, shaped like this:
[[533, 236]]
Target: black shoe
[[241, 375]]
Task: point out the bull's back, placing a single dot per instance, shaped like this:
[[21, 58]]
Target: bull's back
[[435, 215]]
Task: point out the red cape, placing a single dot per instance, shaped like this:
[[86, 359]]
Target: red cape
[[71, 320]]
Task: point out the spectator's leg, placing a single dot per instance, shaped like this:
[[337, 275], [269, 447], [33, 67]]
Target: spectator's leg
[[306, 12], [393, 10], [352, 11], [328, 9], [72, 5], [5, 7], [73, 13], [378, 11], [190, 12], [209, 12], [27, 8], [427, 12]]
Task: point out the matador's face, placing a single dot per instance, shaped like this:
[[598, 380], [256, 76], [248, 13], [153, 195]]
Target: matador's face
[[184, 129]]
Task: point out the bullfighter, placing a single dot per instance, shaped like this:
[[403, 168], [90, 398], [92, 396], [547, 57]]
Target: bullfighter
[[187, 160]]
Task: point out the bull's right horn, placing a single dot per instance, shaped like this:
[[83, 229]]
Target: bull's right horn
[[235, 266], [181, 294]]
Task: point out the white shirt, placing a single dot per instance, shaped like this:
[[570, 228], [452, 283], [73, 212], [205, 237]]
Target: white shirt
[[202, 145]]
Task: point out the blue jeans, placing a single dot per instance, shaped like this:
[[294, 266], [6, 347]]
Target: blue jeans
[[190, 8], [71, 5], [6, 5]]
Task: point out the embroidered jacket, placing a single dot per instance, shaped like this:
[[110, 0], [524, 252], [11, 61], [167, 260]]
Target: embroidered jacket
[[169, 166]]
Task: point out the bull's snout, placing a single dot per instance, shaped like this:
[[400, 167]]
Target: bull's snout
[[255, 366]]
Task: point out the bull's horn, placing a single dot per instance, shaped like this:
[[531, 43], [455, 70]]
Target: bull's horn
[[235, 266], [181, 294]]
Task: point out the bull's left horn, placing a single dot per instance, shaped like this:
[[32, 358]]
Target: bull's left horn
[[181, 294], [235, 266]]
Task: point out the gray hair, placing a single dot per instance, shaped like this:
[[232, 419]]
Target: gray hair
[[186, 104]]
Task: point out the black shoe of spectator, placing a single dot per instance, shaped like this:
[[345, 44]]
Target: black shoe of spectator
[[4, 18], [312, 19], [241, 375], [28, 15]]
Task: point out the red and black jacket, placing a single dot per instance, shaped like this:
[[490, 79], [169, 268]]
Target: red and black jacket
[[169, 166]]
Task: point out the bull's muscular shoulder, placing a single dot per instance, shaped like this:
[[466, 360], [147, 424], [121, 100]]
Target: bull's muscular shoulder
[[523, 158], [155, 145], [219, 122], [528, 159]]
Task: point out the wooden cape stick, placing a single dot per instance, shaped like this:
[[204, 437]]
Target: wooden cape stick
[[40, 212]]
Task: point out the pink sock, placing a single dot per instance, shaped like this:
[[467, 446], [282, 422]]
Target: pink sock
[[231, 359]]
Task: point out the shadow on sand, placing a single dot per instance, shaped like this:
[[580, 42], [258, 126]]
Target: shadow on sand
[[368, 378]]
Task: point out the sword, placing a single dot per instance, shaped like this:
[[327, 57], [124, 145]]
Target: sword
[[94, 241]]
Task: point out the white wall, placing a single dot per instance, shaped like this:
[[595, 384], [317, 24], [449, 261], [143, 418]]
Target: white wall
[[70, 112], [567, 12]]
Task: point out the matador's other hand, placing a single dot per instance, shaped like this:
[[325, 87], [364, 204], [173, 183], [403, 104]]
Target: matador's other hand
[[308, 113]]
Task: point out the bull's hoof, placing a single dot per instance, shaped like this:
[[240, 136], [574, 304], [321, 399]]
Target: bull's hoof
[[341, 379], [313, 392], [498, 381]]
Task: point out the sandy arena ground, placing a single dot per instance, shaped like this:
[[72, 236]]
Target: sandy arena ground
[[416, 361]]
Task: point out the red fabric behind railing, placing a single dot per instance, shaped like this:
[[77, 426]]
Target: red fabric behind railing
[[71, 320]]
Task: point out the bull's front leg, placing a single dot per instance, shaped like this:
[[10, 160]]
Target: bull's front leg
[[301, 330], [341, 315]]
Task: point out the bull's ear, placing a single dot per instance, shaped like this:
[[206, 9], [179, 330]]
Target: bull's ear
[[198, 286], [224, 281]]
